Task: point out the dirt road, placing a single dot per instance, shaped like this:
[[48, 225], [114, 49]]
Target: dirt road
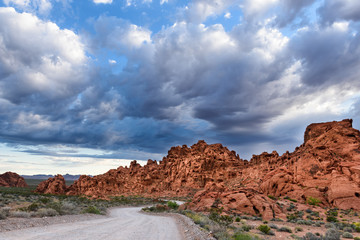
[[122, 223]]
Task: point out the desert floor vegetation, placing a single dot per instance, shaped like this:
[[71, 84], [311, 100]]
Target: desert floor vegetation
[[22, 202], [304, 222]]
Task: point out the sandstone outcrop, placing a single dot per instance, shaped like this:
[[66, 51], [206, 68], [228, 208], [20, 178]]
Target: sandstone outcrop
[[326, 167], [11, 179], [55, 185]]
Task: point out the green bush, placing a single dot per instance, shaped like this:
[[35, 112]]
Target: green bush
[[245, 236], [264, 228], [331, 219], [33, 207], [313, 201], [92, 209], [246, 228], [237, 219], [298, 229], [172, 205], [272, 197]]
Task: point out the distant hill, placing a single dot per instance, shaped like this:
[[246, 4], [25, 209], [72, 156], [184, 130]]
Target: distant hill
[[44, 176]]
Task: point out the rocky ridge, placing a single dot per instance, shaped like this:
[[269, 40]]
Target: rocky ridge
[[325, 167], [10, 179]]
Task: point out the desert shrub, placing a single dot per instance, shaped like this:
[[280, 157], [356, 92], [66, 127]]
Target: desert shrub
[[44, 200], [273, 226], [46, 212], [33, 207], [331, 219], [68, 208], [244, 236], [285, 229], [4, 212], [308, 210], [330, 225], [298, 229], [237, 219], [356, 226], [221, 219], [20, 214], [293, 200], [264, 228], [356, 238], [272, 197], [172, 205], [332, 215], [347, 235], [243, 221], [313, 201], [92, 209], [311, 236], [291, 207], [246, 227], [348, 229], [332, 234], [315, 214], [305, 222], [317, 224], [56, 206]]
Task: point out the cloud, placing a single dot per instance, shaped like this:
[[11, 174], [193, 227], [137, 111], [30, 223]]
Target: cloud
[[227, 15], [335, 10], [198, 11], [46, 61], [253, 84], [42, 7], [103, 1], [329, 57]]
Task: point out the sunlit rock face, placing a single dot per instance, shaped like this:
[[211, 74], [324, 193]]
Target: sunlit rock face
[[326, 167], [10, 179]]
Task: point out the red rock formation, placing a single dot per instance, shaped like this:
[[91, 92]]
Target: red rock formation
[[326, 167], [10, 179], [55, 185], [184, 171]]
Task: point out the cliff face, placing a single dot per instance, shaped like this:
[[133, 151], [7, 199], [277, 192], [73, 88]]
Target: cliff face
[[10, 179], [326, 166]]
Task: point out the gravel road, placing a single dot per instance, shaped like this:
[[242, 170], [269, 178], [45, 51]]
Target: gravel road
[[122, 223]]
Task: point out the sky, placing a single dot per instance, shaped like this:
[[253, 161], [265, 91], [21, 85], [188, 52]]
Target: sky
[[86, 86]]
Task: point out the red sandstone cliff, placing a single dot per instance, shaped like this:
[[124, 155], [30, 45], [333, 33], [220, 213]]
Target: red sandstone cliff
[[326, 167], [10, 179]]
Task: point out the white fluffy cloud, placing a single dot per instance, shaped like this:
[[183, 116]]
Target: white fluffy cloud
[[103, 1], [199, 10], [38, 59]]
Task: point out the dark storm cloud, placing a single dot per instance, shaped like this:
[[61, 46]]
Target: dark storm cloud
[[292, 10], [329, 57], [334, 10], [186, 82]]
